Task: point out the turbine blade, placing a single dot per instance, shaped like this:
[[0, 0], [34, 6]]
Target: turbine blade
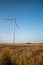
[[17, 25], [7, 19]]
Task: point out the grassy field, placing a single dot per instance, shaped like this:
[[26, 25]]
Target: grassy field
[[21, 54]]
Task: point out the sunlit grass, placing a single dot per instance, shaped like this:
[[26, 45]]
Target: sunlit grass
[[21, 54]]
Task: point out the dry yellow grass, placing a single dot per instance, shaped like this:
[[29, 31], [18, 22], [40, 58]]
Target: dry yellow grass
[[21, 54]]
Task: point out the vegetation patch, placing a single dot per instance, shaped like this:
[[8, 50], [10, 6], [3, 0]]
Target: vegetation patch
[[21, 55]]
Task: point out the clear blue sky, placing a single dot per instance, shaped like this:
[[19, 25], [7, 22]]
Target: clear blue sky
[[29, 17]]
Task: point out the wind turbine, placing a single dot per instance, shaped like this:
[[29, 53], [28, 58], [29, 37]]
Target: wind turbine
[[14, 24]]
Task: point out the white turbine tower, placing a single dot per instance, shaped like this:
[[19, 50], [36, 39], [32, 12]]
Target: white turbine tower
[[14, 24]]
